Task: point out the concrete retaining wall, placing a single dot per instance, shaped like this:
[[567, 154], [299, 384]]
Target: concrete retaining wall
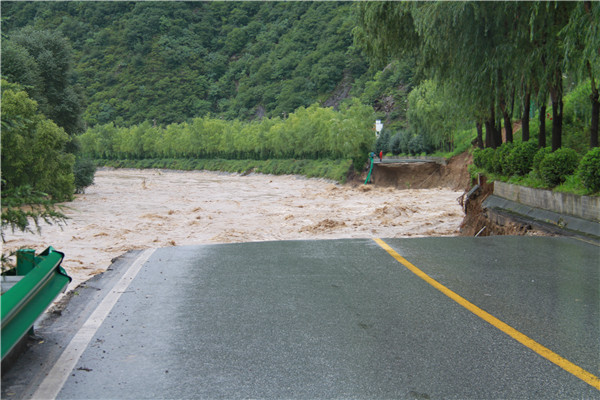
[[586, 207]]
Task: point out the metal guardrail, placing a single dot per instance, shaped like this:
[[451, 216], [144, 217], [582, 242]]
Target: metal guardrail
[[30, 288], [414, 159], [370, 171]]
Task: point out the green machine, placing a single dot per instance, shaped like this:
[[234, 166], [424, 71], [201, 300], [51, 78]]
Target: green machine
[[27, 291]]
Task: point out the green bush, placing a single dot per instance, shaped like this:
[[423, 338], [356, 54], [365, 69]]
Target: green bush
[[383, 142], [521, 157], [478, 157], [417, 145], [488, 159], [83, 170], [539, 156], [577, 118], [396, 143], [589, 170], [484, 158], [557, 166], [501, 163]]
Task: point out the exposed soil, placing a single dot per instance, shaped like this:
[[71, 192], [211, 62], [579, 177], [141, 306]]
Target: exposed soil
[[422, 175], [478, 222], [133, 209]]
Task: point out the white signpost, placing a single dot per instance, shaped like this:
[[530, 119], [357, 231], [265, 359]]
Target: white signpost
[[378, 127]]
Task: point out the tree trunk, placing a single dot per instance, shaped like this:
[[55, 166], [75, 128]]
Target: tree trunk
[[507, 122], [542, 133], [498, 132], [595, 117], [511, 112], [557, 116], [479, 135], [490, 136], [595, 110], [491, 133], [525, 119], [507, 125], [557, 111]]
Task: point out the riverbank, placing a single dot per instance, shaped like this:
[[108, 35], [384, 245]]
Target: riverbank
[[336, 170]]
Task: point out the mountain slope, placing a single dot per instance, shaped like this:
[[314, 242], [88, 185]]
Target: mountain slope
[[172, 61]]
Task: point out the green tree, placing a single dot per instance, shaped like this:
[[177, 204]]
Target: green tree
[[429, 107], [547, 20], [487, 51], [438, 35], [33, 148], [581, 37], [42, 60]]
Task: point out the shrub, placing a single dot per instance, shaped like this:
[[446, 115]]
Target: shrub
[[589, 170], [577, 118], [488, 159], [83, 170], [383, 142], [478, 158], [501, 164], [521, 157], [416, 145], [404, 141], [482, 158], [539, 156], [395, 143], [556, 166]]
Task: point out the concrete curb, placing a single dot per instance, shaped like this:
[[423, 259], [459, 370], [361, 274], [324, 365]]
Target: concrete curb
[[584, 207], [575, 225]]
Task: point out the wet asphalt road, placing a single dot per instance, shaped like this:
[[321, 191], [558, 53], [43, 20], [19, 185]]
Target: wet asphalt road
[[334, 319]]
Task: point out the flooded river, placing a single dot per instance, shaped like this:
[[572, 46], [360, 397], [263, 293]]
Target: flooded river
[[129, 209]]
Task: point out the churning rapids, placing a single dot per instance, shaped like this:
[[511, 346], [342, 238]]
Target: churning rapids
[[129, 209]]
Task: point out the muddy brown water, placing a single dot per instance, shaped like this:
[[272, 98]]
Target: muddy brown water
[[130, 209]]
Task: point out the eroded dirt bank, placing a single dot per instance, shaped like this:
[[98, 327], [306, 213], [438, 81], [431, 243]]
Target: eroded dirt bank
[[454, 175], [135, 209], [479, 222]]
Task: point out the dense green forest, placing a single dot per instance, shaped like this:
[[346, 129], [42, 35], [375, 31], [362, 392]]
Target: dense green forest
[[469, 63], [264, 80], [172, 61]]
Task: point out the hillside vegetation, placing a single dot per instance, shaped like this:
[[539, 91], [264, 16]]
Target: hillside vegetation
[[172, 61], [302, 80]]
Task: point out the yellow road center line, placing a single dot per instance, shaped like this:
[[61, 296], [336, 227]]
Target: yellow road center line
[[509, 330]]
